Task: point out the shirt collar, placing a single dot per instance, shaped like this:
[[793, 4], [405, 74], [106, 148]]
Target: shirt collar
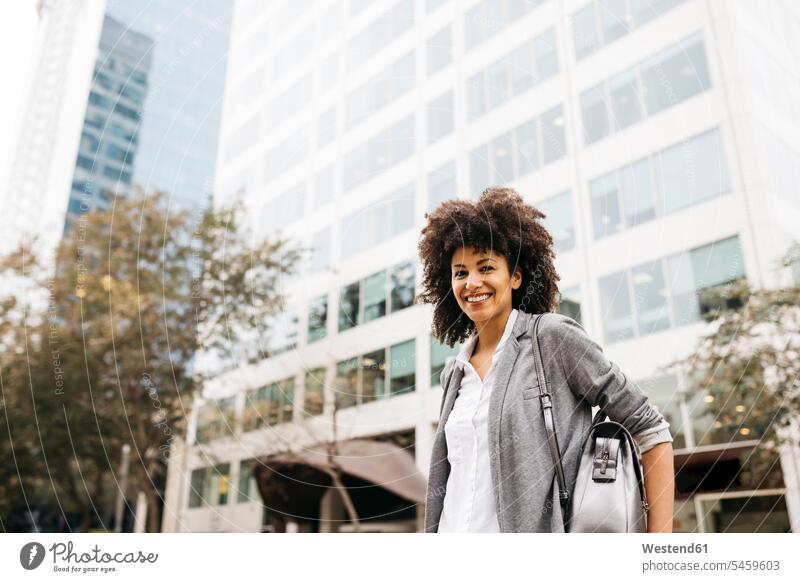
[[466, 352]]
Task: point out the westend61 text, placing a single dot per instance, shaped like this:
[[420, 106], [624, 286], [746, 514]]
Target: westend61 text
[[674, 549], [65, 553]]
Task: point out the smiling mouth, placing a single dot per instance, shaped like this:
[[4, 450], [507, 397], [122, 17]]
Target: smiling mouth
[[478, 299]]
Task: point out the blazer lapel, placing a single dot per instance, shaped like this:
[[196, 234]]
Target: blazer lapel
[[452, 392], [504, 368]]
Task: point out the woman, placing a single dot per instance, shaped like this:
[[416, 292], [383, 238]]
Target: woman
[[487, 268]]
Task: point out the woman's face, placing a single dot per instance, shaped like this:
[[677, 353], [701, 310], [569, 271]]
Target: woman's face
[[482, 284]]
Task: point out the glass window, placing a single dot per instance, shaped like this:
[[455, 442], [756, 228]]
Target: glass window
[[401, 140], [357, 6], [675, 76], [375, 296], [286, 398], [527, 148], [373, 375], [594, 114], [347, 383], [432, 5], [317, 318], [476, 95], [349, 306], [314, 399], [197, 487], [570, 304], [219, 484], [521, 65], [402, 367], [637, 193], [328, 73], [475, 24], [86, 163], [685, 307], [216, 420], [377, 92], [624, 90], [498, 78], [400, 210], [711, 174], [324, 186], [439, 50], [584, 31], [702, 269], [440, 117], [326, 127], [321, 250], [501, 159], [479, 169], [441, 185], [247, 490], [650, 294], [615, 305], [714, 265], [546, 55], [380, 33], [691, 172], [615, 18], [402, 285], [283, 333], [287, 207], [605, 205], [558, 221], [388, 217], [440, 354], [646, 10], [553, 145]]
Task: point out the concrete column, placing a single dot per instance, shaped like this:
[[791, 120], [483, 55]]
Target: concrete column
[[140, 519], [790, 466], [175, 490]]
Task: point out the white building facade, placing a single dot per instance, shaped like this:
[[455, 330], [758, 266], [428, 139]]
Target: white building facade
[[659, 136], [46, 130]]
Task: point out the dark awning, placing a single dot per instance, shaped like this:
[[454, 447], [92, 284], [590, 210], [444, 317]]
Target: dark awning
[[710, 454], [293, 483]]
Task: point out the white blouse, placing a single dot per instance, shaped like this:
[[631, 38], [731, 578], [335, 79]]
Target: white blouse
[[469, 504]]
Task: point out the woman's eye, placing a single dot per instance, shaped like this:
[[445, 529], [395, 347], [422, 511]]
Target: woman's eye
[[487, 268]]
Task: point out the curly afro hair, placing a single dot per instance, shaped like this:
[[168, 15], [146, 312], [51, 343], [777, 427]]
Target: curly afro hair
[[499, 221]]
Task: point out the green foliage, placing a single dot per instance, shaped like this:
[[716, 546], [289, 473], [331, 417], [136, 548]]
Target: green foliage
[[747, 368], [106, 345]]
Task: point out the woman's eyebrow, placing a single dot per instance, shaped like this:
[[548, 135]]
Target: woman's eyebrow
[[483, 260]]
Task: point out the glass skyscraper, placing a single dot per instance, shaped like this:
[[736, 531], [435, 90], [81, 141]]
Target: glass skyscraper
[[153, 111], [110, 135]]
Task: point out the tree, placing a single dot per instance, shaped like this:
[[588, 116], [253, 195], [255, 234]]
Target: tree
[[140, 299], [748, 369]]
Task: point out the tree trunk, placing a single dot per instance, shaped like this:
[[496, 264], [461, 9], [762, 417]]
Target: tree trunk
[[153, 513]]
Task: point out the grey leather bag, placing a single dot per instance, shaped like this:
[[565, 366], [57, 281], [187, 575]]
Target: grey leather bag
[[609, 494]]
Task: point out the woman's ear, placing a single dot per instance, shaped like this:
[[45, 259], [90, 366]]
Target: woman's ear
[[516, 279]]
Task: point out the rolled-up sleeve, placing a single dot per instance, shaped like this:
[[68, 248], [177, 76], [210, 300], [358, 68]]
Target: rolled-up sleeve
[[651, 437], [598, 381]]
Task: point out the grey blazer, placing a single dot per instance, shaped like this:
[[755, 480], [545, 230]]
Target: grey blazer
[[522, 472]]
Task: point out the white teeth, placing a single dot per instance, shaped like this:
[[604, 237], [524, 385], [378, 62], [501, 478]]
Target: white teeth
[[474, 298]]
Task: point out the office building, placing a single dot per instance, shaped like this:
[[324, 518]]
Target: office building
[[659, 137]]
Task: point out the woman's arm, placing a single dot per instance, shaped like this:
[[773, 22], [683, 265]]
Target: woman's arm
[[659, 484]]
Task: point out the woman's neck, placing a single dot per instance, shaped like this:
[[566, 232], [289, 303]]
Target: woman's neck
[[491, 330]]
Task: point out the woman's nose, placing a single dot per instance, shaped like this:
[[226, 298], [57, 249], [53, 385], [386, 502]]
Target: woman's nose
[[473, 282]]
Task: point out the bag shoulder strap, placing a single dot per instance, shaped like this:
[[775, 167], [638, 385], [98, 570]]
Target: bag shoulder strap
[[547, 412]]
